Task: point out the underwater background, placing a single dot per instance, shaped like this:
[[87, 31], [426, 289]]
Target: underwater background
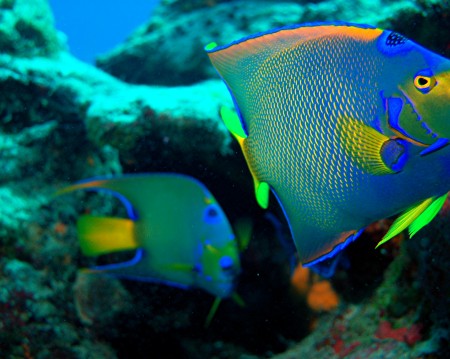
[[95, 27], [151, 104]]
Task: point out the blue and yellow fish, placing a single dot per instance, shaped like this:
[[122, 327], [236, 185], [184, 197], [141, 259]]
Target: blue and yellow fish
[[346, 124], [180, 233]]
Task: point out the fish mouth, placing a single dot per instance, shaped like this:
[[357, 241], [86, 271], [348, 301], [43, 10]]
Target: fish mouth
[[440, 143]]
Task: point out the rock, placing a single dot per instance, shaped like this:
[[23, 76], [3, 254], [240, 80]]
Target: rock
[[89, 105], [168, 49], [60, 115], [91, 308], [26, 29]]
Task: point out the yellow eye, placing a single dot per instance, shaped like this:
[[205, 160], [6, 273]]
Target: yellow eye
[[424, 83]]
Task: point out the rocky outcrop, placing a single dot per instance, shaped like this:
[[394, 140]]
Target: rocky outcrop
[[168, 49]]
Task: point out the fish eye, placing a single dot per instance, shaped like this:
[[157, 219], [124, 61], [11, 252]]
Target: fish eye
[[211, 214], [424, 83]]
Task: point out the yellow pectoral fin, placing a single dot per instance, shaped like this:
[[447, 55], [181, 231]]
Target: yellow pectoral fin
[[102, 235], [372, 151]]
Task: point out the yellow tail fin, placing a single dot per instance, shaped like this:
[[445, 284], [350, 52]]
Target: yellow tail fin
[[102, 235]]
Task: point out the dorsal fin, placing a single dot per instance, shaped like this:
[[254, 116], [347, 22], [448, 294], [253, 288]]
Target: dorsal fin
[[240, 59]]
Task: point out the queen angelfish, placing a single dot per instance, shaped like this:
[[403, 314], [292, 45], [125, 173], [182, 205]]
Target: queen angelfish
[[179, 232], [346, 124]]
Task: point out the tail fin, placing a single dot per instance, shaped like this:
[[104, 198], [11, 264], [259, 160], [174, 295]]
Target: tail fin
[[102, 235]]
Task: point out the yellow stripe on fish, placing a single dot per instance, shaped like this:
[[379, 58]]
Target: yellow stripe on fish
[[180, 233]]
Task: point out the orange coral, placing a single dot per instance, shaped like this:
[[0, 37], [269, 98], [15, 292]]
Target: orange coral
[[319, 293], [60, 228], [300, 279], [322, 297]]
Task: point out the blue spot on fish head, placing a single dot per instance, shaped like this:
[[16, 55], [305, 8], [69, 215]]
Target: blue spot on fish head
[[212, 214], [226, 263], [221, 266]]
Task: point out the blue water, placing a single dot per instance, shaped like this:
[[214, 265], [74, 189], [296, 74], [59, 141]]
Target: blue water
[[94, 27]]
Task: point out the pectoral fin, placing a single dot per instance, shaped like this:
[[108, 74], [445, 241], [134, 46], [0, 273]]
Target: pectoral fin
[[372, 151], [237, 299]]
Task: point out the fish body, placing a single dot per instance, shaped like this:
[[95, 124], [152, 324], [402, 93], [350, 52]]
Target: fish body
[[346, 124], [180, 233]]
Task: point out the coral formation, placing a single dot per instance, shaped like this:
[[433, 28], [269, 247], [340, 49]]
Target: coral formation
[[180, 30], [26, 29], [319, 293], [62, 120]]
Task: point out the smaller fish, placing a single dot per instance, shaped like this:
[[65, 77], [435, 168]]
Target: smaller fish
[[180, 233]]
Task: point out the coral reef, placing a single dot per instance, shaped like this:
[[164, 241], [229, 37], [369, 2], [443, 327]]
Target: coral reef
[[26, 29], [180, 30], [406, 315], [36, 316], [62, 120], [71, 121]]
